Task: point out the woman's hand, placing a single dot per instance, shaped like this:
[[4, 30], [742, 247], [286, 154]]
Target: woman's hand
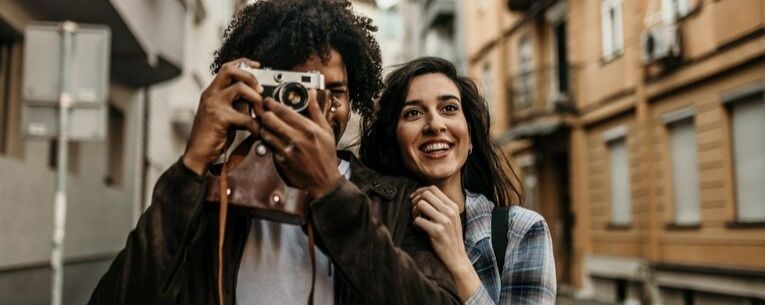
[[439, 216]]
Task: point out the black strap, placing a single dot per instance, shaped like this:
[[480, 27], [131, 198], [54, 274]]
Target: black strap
[[499, 227]]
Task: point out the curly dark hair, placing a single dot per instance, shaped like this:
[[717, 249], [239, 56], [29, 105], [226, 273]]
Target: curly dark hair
[[486, 171], [282, 34]]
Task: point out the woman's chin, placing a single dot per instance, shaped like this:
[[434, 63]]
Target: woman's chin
[[434, 175]]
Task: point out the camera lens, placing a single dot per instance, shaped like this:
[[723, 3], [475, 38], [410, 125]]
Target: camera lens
[[293, 95]]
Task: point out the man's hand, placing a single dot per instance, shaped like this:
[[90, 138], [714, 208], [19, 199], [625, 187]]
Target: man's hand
[[304, 147], [215, 114]]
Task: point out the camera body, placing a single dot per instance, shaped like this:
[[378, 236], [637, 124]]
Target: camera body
[[287, 87]]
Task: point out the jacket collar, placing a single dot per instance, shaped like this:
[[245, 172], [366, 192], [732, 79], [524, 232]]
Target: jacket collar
[[477, 224], [367, 179]]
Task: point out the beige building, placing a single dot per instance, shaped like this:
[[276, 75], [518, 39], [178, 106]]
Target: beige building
[[638, 127]]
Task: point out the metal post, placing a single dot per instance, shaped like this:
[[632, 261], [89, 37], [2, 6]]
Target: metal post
[[68, 29]]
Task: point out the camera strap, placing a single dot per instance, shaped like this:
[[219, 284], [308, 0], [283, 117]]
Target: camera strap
[[222, 218]]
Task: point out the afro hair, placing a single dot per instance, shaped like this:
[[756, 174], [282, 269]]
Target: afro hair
[[282, 34]]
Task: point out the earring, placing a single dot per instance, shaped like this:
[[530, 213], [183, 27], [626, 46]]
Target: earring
[[470, 149]]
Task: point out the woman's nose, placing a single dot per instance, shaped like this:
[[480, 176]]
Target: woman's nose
[[435, 124]]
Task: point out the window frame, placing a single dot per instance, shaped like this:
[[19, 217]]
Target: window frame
[[745, 94], [612, 29], [612, 137], [671, 121]]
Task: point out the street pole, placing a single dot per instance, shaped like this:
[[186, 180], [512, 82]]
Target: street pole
[[59, 211]]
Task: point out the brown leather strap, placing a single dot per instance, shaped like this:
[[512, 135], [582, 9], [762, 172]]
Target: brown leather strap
[[222, 220], [223, 213]]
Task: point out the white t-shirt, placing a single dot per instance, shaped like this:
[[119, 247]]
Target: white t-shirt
[[276, 267]]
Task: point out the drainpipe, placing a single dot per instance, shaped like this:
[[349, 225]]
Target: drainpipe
[[139, 176]]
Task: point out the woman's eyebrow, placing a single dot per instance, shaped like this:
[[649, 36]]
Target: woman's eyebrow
[[412, 102], [447, 97]]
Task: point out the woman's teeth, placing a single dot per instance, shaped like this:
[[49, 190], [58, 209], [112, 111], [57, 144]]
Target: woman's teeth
[[435, 147]]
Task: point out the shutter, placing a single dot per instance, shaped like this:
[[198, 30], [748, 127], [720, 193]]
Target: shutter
[[620, 183], [618, 27], [668, 11], [685, 172], [748, 124], [606, 28]]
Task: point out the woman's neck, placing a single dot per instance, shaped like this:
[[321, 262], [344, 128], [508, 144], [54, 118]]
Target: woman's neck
[[452, 188]]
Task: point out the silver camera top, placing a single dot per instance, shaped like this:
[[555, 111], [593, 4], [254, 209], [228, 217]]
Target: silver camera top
[[273, 78]]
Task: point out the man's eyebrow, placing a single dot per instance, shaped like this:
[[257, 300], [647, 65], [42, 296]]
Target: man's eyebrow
[[336, 84]]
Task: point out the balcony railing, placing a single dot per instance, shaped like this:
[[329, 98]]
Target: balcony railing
[[540, 92]]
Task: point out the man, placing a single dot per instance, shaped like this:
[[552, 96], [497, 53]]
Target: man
[[361, 218]]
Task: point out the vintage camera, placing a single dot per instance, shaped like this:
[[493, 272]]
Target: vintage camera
[[287, 87]]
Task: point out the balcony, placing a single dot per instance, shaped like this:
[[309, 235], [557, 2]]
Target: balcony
[[520, 5], [147, 35], [438, 12], [542, 92]]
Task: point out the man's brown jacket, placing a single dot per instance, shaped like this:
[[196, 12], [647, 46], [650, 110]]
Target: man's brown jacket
[[364, 226]]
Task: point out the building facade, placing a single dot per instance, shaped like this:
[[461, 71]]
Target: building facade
[[160, 54], [637, 129]]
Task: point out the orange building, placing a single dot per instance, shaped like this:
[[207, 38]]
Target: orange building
[[639, 131]]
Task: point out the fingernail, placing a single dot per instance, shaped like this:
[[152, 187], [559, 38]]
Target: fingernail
[[259, 89]]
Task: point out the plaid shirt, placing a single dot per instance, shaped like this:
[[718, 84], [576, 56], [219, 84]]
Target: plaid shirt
[[529, 272]]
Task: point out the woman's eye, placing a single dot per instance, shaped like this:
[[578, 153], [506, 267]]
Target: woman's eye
[[450, 108], [411, 113]]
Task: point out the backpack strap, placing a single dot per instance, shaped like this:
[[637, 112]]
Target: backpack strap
[[499, 227]]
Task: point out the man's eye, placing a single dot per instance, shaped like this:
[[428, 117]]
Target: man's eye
[[338, 93]]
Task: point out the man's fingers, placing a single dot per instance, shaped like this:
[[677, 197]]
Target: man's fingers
[[285, 113], [243, 120], [277, 144], [277, 126], [241, 90], [230, 71], [314, 112]]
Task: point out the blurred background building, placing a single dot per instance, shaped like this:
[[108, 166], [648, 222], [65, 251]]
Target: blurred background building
[[160, 57], [637, 128]]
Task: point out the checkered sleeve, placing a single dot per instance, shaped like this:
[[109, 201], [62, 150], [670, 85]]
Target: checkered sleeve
[[480, 297], [529, 275]]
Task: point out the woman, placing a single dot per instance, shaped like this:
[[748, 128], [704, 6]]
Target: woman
[[433, 125]]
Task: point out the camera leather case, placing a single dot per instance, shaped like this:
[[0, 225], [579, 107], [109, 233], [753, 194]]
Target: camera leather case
[[253, 184]]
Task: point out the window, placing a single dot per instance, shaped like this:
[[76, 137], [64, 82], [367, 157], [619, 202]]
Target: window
[[611, 28], [530, 186], [685, 176], [487, 81], [672, 10], [619, 175], [72, 156], [484, 6], [10, 102], [116, 148], [525, 84], [747, 126]]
